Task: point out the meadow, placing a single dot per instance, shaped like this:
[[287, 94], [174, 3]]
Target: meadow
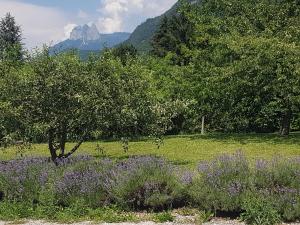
[[186, 150]]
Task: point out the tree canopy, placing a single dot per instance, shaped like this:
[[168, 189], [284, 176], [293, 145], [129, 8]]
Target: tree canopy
[[10, 39], [236, 63]]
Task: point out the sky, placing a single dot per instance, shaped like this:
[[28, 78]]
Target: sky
[[51, 21]]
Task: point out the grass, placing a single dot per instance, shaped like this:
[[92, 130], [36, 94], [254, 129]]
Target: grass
[[186, 150]]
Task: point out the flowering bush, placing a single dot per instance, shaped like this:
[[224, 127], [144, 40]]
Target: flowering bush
[[263, 193], [22, 180], [79, 184], [143, 183], [221, 183], [226, 183], [279, 180]]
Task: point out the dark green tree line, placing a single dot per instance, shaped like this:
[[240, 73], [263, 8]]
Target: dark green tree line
[[244, 70]]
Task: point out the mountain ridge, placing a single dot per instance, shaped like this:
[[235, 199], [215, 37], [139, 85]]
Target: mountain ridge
[[88, 38]]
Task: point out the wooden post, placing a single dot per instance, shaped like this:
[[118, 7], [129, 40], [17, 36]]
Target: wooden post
[[203, 124]]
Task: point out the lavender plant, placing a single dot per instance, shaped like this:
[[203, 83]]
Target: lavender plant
[[143, 183], [279, 180], [221, 183], [80, 184], [38, 187], [22, 180]]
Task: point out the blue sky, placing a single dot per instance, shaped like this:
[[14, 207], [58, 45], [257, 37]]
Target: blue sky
[[72, 5], [51, 21]]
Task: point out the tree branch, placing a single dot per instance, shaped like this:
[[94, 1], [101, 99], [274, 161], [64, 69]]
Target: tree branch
[[74, 149]]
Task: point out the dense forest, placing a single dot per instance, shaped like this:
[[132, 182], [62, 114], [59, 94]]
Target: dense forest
[[234, 65]]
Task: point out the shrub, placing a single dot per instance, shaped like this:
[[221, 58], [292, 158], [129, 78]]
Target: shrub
[[23, 180], [224, 183], [278, 179], [81, 186], [221, 183], [82, 182], [260, 211], [143, 183]]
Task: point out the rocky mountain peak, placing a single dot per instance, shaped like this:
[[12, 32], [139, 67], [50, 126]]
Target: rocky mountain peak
[[85, 33]]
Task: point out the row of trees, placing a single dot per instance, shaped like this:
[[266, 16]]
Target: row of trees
[[236, 63], [61, 98], [241, 61]]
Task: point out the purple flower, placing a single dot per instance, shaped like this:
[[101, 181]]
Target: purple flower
[[234, 188]]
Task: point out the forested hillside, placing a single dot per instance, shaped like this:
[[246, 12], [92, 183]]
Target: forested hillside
[[142, 35]]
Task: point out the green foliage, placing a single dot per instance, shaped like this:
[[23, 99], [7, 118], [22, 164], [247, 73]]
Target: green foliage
[[221, 184], [260, 211], [125, 52], [243, 59], [82, 187], [264, 194], [10, 39], [175, 37], [64, 98], [79, 212], [149, 186], [163, 217]]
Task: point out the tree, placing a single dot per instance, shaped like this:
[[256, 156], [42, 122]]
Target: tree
[[134, 102], [175, 36], [242, 51], [161, 42], [65, 99], [125, 52], [57, 100], [10, 125], [10, 39]]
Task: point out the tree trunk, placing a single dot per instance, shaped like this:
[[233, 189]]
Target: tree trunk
[[63, 140], [51, 146], [74, 149], [203, 126], [286, 123], [54, 147]]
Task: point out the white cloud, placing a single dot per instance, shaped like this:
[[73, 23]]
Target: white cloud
[[39, 24], [109, 25], [49, 25], [82, 14], [125, 15], [68, 29]]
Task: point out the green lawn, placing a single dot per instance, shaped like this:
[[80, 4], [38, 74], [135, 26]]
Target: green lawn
[[189, 149]]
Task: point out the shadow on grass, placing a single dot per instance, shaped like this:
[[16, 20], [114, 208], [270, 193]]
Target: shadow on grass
[[243, 138], [293, 138]]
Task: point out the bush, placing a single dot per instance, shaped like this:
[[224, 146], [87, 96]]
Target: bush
[[220, 184], [278, 179], [144, 183], [23, 180], [81, 186], [260, 211], [223, 185]]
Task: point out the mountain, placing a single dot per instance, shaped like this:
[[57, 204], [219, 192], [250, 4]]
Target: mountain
[[85, 33], [142, 35], [88, 39]]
